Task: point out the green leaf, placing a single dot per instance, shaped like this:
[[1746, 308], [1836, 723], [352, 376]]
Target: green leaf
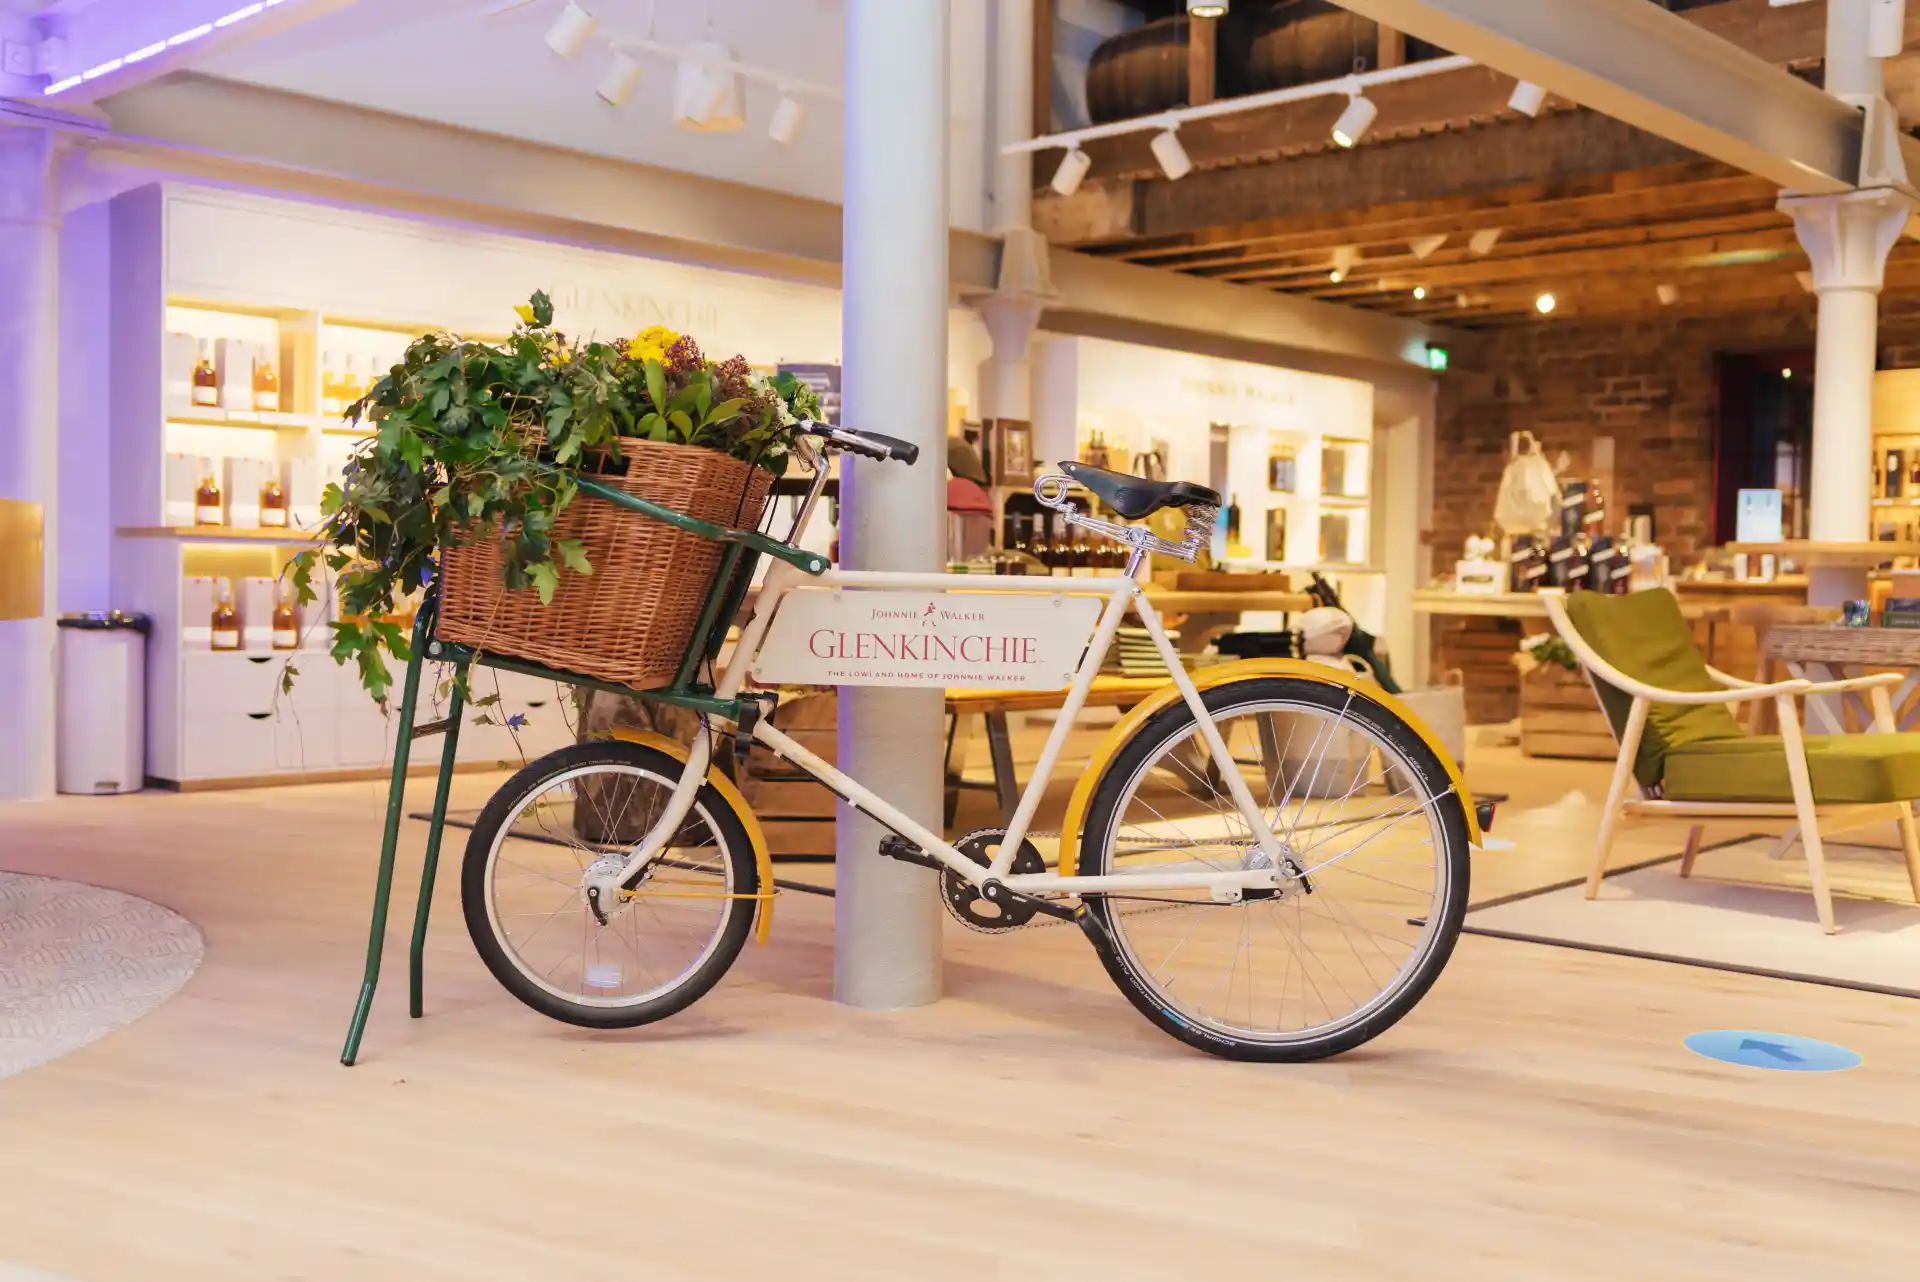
[[545, 577], [657, 385], [542, 309], [573, 553]]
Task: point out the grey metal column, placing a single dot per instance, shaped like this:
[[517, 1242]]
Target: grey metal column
[[887, 914]]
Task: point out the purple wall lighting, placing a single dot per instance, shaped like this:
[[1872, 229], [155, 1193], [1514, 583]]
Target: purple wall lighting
[[158, 47]]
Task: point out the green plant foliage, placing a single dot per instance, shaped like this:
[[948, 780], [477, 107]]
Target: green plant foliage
[[471, 439]]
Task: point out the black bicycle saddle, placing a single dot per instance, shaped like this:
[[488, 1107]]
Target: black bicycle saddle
[[1135, 496]]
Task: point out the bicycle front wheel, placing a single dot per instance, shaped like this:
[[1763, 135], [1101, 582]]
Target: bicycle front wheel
[[579, 811], [1363, 808]]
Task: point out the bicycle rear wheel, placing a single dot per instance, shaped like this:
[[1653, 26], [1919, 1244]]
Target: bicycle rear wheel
[[659, 949], [1364, 809]]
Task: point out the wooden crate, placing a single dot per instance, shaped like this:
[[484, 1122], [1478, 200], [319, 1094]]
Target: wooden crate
[[1481, 650], [795, 811], [1560, 717]]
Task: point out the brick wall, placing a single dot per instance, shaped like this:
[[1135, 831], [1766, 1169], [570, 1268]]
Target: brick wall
[[1647, 384]]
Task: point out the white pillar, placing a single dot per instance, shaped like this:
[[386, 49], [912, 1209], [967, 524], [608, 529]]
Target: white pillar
[[29, 442], [887, 914], [1851, 71], [1006, 378], [1055, 363], [1847, 238], [1013, 115]]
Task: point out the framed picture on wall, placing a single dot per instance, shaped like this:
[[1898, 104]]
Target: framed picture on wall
[[1012, 451]]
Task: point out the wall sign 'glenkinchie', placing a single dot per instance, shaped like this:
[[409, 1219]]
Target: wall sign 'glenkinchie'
[[853, 638]]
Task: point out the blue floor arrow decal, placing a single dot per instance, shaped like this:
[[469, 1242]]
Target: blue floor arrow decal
[[1781, 1051]]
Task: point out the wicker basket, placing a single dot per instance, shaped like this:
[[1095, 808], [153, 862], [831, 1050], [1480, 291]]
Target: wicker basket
[[632, 619]]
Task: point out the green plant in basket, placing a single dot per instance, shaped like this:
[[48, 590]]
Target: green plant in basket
[[471, 439]]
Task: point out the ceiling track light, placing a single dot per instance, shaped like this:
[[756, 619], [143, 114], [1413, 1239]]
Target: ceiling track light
[[1207, 8], [1424, 247], [1344, 257], [1355, 120], [1545, 304], [1072, 171], [787, 119], [1481, 243], [618, 84], [571, 30], [1173, 158], [1419, 293], [1667, 294], [1528, 98]]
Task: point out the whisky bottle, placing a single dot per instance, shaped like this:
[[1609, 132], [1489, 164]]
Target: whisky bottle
[[226, 619], [206, 379], [1895, 473], [266, 383], [273, 505], [351, 388], [207, 507], [286, 621], [331, 402]]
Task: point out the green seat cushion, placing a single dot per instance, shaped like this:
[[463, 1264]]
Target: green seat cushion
[[1645, 636], [1846, 769]]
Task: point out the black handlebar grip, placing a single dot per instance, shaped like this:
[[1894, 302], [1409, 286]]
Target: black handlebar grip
[[874, 445]]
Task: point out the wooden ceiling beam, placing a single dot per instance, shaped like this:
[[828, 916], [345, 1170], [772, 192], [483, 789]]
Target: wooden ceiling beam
[[1553, 148], [1396, 257], [1652, 257]]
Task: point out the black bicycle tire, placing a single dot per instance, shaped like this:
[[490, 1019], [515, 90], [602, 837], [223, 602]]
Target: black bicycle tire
[[1173, 721], [734, 840]]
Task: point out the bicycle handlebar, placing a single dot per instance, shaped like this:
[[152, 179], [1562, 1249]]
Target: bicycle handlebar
[[867, 444]]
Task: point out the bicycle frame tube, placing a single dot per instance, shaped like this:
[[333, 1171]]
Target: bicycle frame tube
[[1121, 594]]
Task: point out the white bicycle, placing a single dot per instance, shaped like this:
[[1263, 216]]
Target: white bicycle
[[1269, 857]]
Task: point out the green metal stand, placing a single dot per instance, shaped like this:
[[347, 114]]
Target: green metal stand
[[743, 548]]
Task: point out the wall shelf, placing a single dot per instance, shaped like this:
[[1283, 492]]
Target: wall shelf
[[220, 534], [278, 421]]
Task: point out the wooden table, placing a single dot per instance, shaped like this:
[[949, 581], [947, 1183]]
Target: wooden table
[[1830, 653], [1208, 614], [994, 705]]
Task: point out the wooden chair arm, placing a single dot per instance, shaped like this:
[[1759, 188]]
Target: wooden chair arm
[[1747, 692], [1728, 679]]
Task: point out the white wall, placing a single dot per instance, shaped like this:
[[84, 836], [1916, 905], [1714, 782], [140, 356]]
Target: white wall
[[441, 60]]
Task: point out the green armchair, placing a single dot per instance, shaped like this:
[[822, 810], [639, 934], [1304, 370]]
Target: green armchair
[[1687, 757]]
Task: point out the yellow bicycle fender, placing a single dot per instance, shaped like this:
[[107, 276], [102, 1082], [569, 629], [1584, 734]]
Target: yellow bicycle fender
[[727, 788], [1205, 679]]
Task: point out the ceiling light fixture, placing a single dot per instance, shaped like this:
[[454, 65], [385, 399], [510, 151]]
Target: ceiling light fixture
[[1207, 8], [1668, 294], [1424, 247], [570, 31], [1786, 373], [618, 84], [708, 96], [1336, 275], [1545, 304], [1460, 300], [1344, 257], [1173, 158], [1355, 120], [1419, 293], [1073, 169], [1527, 98], [157, 47], [1481, 243], [787, 119]]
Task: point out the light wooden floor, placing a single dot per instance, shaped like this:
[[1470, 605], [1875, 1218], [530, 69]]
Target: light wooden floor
[[1535, 1120]]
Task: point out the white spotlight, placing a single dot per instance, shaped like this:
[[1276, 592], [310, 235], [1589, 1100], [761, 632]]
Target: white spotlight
[[1527, 98], [1668, 294], [1482, 242], [1460, 300], [1344, 257], [1545, 303], [569, 33], [617, 85], [1173, 158], [706, 98], [787, 119], [1073, 169], [1354, 121], [1419, 293], [1207, 8], [1424, 247]]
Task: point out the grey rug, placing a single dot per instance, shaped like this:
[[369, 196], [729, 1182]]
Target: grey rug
[[78, 962]]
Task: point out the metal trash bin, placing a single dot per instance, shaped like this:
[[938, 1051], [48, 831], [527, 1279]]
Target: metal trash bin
[[103, 703]]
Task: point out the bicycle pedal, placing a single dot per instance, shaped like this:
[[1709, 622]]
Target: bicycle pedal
[[898, 847]]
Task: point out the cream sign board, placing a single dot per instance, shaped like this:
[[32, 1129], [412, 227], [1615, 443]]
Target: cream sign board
[[842, 637]]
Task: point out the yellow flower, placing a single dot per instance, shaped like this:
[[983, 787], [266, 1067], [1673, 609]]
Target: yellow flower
[[525, 313], [656, 336]]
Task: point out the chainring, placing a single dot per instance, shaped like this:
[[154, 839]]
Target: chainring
[[963, 898]]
